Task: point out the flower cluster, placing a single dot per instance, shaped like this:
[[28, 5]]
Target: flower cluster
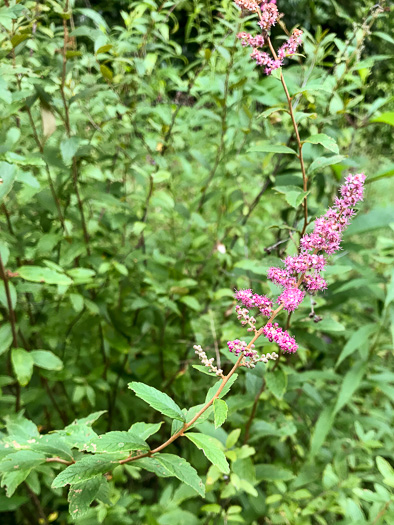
[[254, 300], [249, 5], [248, 40], [207, 362], [273, 333], [300, 271], [290, 47], [268, 16], [254, 358]]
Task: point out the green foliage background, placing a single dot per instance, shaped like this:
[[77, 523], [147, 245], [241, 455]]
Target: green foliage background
[[133, 205]]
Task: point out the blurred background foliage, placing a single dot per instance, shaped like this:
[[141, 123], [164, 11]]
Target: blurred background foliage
[[132, 206]]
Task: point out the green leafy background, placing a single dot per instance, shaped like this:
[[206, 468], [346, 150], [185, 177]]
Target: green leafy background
[[147, 170]]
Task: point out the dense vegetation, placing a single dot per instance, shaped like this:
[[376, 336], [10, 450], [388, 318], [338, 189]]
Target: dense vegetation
[[144, 178]]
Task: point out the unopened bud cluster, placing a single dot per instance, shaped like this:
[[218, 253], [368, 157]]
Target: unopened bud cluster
[[207, 362]]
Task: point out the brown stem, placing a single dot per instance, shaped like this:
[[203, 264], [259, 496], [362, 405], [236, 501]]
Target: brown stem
[[56, 459], [299, 143]]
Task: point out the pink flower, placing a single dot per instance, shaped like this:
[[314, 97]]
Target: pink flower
[[249, 5], [281, 277], [291, 298], [237, 346], [251, 300], [275, 334], [290, 47], [269, 16]]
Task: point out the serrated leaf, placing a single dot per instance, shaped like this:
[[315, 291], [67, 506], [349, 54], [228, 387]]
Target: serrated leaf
[[220, 410], [145, 430], [12, 480], [38, 274], [81, 495], [211, 448], [157, 400], [323, 139], [46, 359], [84, 469], [22, 363], [116, 441], [181, 469], [21, 460], [52, 444], [276, 382], [267, 147]]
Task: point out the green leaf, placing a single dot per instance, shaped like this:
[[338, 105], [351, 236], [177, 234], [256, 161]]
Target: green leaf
[[3, 295], [212, 391], [233, 437], [157, 400], [145, 430], [191, 302], [374, 219], [40, 274], [116, 441], [357, 339], [7, 178], [384, 173], [5, 337], [385, 118], [323, 162], [106, 72], [81, 496], [52, 444], [321, 430], [22, 363], [86, 468], [386, 470], [181, 469], [267, 147], [81, 275], [21, 460], [68, 149], [276, 382], [220, 410], [350, 384], [323, 139], [12, 480], [46, 359], [212, 449], [293, 195], [269, 472]]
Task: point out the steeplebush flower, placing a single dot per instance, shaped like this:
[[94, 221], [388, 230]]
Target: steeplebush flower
[[268, 16], [301, 273], [207, 362]]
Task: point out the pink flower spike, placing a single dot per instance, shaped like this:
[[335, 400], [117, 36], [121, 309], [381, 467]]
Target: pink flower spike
[[275, 334]]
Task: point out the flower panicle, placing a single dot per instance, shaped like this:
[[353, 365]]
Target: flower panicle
[[301, 273]]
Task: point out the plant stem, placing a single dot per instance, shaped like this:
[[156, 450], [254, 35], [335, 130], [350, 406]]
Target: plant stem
[[297, 134]]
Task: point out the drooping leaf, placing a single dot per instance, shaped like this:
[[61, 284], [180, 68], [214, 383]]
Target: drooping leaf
[[181, 469], [212, 449], [157, 400], [81, 495]]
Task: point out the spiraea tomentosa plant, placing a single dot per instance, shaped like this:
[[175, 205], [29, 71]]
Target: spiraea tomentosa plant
[[88, 457]]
